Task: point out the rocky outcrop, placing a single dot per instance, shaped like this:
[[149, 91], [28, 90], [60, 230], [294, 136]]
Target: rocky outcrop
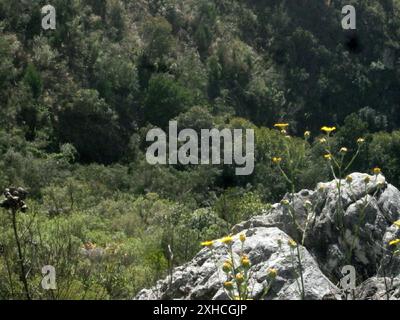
[[339, 223]]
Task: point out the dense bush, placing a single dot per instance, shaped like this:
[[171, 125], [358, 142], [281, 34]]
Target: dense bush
[[76, 104]]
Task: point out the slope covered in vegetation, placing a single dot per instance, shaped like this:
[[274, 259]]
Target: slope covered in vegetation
[[76, 104]]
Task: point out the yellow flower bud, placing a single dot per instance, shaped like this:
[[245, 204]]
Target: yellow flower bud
[[245, 262], [292, 243], [285, 202], [239, 277], [276, 160], [272, 273], [227, 266], [377, 171], [228, 285]]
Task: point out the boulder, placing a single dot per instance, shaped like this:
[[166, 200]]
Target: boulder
[[340, 223]]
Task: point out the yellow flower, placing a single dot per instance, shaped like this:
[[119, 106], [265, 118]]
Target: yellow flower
[[242, 237], [227, 266], [377, 171], [322, 140], [281, 126], [285, 202], [227, 240], [272, 273], [397, 223], [394, 242], [367, 179], [344, 150], [360, 140], [245, 261], [328, 129], [349, 179], [307, 134], [228, 285], [239, 277], [207, 243], [328, 156], [292, 243], [276, 160]]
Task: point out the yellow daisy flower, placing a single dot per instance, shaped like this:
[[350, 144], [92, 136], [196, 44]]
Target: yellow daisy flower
[[328, 129], [281, 126], [227, 240], [207, 243], [394, 242]]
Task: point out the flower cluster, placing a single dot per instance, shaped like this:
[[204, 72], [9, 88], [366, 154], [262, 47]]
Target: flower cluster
[[237, 273], [395, 243], [237, 269]]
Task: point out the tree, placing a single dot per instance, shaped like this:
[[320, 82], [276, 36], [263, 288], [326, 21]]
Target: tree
[[165, 99], [92, 127]]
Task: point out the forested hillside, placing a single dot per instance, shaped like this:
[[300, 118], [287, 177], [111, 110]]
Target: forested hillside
[[76, 104]]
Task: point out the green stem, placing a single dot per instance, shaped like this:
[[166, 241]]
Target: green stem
[[20, 255]]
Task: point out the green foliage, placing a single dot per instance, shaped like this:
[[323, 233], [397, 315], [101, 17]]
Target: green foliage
[[91, 126], [236, 205], [165, 99], [33, 79], [384, 152], [76, 104]]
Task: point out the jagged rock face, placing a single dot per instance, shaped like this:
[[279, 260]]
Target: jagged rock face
[[352, 226], [379, 288], [267, 248]]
